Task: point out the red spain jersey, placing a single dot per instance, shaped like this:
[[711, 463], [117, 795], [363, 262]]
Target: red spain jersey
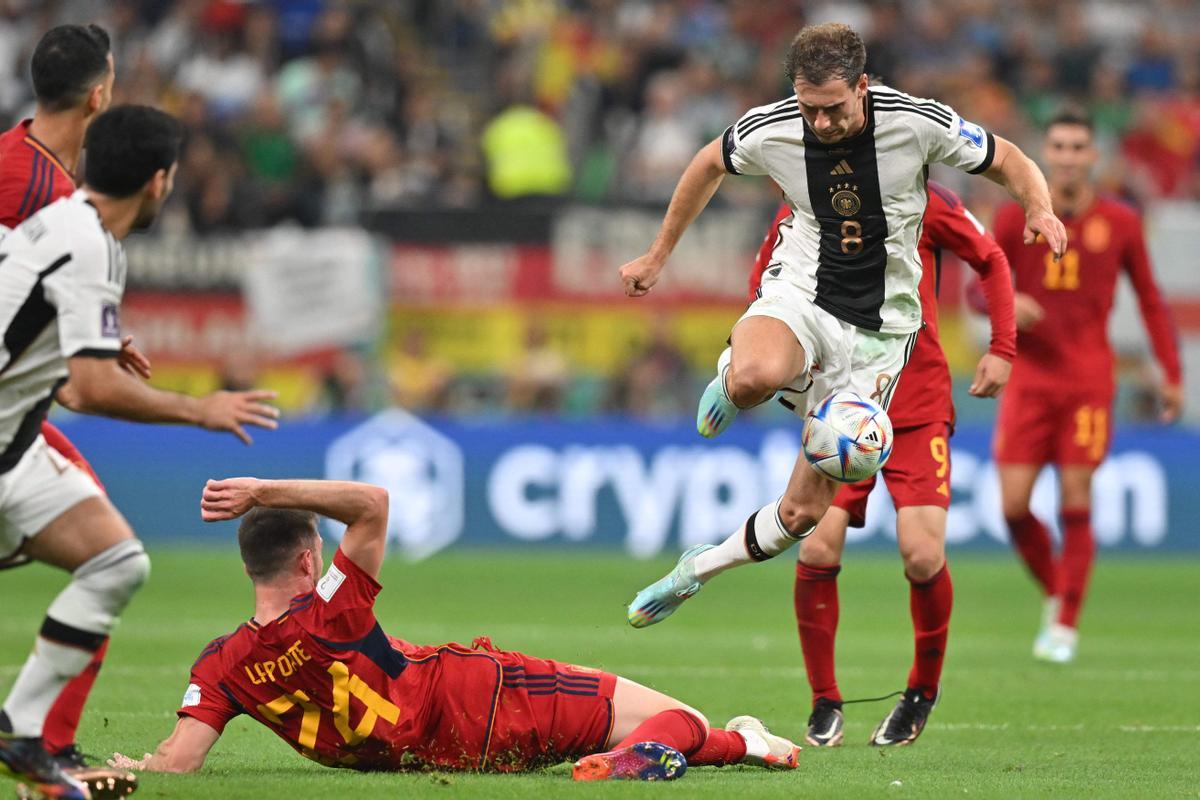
[[326, 679], [924, 395], [31, 176], [1069, 346]]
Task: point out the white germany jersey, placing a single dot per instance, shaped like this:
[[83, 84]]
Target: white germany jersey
[[857, 204], [61, 280]]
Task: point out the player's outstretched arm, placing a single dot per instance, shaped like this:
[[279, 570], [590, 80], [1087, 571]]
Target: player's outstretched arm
[[183, 751], [1017, 173], [102, 386], [362, 507], [695, 188]]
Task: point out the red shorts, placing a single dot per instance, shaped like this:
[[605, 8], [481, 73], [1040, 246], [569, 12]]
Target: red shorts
[[549, 712], [917, 474], [1041, 426]]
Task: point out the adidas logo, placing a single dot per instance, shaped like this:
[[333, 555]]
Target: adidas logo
[[873, 437], [842, 168]]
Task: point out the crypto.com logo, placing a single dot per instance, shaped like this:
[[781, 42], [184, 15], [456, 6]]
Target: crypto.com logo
[[421, 469]]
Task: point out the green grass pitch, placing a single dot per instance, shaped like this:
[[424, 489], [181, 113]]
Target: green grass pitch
[[1124, 721]]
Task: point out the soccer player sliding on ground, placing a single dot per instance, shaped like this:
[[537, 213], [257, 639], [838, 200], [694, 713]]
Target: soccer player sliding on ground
[[314, 665], [918, 480], [839, 307], [61, 284], [1058, 408]]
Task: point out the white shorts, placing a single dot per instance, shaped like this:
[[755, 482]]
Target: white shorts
[[42, 486], [838, 356]]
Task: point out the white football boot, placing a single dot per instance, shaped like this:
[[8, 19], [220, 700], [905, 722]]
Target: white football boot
[[763, 748], [1056, 644]]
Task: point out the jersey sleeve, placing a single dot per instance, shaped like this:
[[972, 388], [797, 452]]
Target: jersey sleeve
[[946, 137], [1155, 313], [344, 606], [741, 144], [952, 226], [18, 180], [86, 293], [205, 699]]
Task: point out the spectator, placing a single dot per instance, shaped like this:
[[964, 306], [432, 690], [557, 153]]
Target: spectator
[[538, 381], [420, 381]]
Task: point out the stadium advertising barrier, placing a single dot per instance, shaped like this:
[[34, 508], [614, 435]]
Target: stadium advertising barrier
[[646, 488]]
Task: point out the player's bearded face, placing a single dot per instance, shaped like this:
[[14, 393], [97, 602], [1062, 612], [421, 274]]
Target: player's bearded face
[[833, 109], [1070, 154], [151, 204]]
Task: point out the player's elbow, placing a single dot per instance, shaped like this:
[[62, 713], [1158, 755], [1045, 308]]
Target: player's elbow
[[376, 501]]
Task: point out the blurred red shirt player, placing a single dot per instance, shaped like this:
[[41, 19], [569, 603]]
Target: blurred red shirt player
[[918, 479], [1058, 408]]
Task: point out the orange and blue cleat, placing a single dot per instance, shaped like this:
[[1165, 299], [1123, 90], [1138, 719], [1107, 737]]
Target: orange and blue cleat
[[645, 761]]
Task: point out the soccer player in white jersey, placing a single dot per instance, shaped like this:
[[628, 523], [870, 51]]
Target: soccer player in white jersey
[[62, 275], [838, 308]]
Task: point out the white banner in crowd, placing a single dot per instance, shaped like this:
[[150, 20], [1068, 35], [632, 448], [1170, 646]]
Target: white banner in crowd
[[312, 289]]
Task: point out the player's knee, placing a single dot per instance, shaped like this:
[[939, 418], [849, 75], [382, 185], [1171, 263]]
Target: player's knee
[[799, 516], [816, 552], [102, 587], [921, 564], [1014, 509], [749, 384]]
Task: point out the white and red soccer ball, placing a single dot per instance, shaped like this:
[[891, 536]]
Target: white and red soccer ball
[[847, 437]]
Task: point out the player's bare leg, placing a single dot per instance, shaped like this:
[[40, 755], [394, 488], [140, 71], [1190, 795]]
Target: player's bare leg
[[1060, 638], [768, 532], [921, 536], [816, 604], [656, 737], [94, 543], [762, 358]]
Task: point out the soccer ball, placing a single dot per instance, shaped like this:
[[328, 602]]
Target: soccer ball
[[847, 437]]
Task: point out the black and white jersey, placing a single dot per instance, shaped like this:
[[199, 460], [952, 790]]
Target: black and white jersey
[[851, 243], [62, 276]]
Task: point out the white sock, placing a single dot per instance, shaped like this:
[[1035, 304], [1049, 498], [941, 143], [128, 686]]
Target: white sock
[[723, 363], [763, 536], [39, 683], [756, 746]]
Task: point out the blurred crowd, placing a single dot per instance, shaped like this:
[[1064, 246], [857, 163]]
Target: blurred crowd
[[320, 111], [324, 111]]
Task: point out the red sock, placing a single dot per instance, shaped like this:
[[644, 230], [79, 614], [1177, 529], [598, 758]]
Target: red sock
[[63, 720], [816, 599], [689, 735], [720, 748], [675, 728], [930, 603], [1032, 541], [1076, 567]]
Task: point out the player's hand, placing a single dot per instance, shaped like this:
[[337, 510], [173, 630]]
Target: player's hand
[[1050, 228], [228, 499], [132, 360], [1029, 312], [1170, 397], [230, 411], [639, 276], [990, 376], [119, 761]]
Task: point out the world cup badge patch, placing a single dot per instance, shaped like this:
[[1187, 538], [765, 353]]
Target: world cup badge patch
[[110, 321], [971, 132]]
